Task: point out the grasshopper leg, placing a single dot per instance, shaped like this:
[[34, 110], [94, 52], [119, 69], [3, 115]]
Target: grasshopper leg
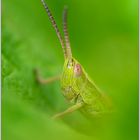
[[69, 110], [41, 80]]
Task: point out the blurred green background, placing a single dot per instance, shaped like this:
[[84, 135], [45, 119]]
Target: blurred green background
[[104, 38]]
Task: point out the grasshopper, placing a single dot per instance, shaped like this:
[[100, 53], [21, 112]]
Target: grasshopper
[[77, 86]]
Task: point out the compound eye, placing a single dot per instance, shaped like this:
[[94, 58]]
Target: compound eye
[[77, 70]]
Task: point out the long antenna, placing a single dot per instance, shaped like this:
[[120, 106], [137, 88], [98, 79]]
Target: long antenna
[[55, 26], [66, 35]]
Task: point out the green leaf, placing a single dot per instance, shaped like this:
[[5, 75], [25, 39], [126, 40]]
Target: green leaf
[[103, 37]]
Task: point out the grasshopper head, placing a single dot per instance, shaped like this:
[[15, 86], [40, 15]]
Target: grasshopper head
[[72, 68], [72, 78]]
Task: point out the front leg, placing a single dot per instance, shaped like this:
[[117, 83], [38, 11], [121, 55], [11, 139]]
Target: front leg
[[69, 110], [41, 80]]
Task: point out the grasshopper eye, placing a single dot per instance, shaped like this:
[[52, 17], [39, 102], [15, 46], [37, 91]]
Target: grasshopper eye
[[77, 70]]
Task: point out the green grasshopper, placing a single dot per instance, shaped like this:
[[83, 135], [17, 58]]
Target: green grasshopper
[[76, 85]]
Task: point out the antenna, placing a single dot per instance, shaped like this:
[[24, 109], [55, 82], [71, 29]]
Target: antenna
[[66, 35], [55, 26]]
